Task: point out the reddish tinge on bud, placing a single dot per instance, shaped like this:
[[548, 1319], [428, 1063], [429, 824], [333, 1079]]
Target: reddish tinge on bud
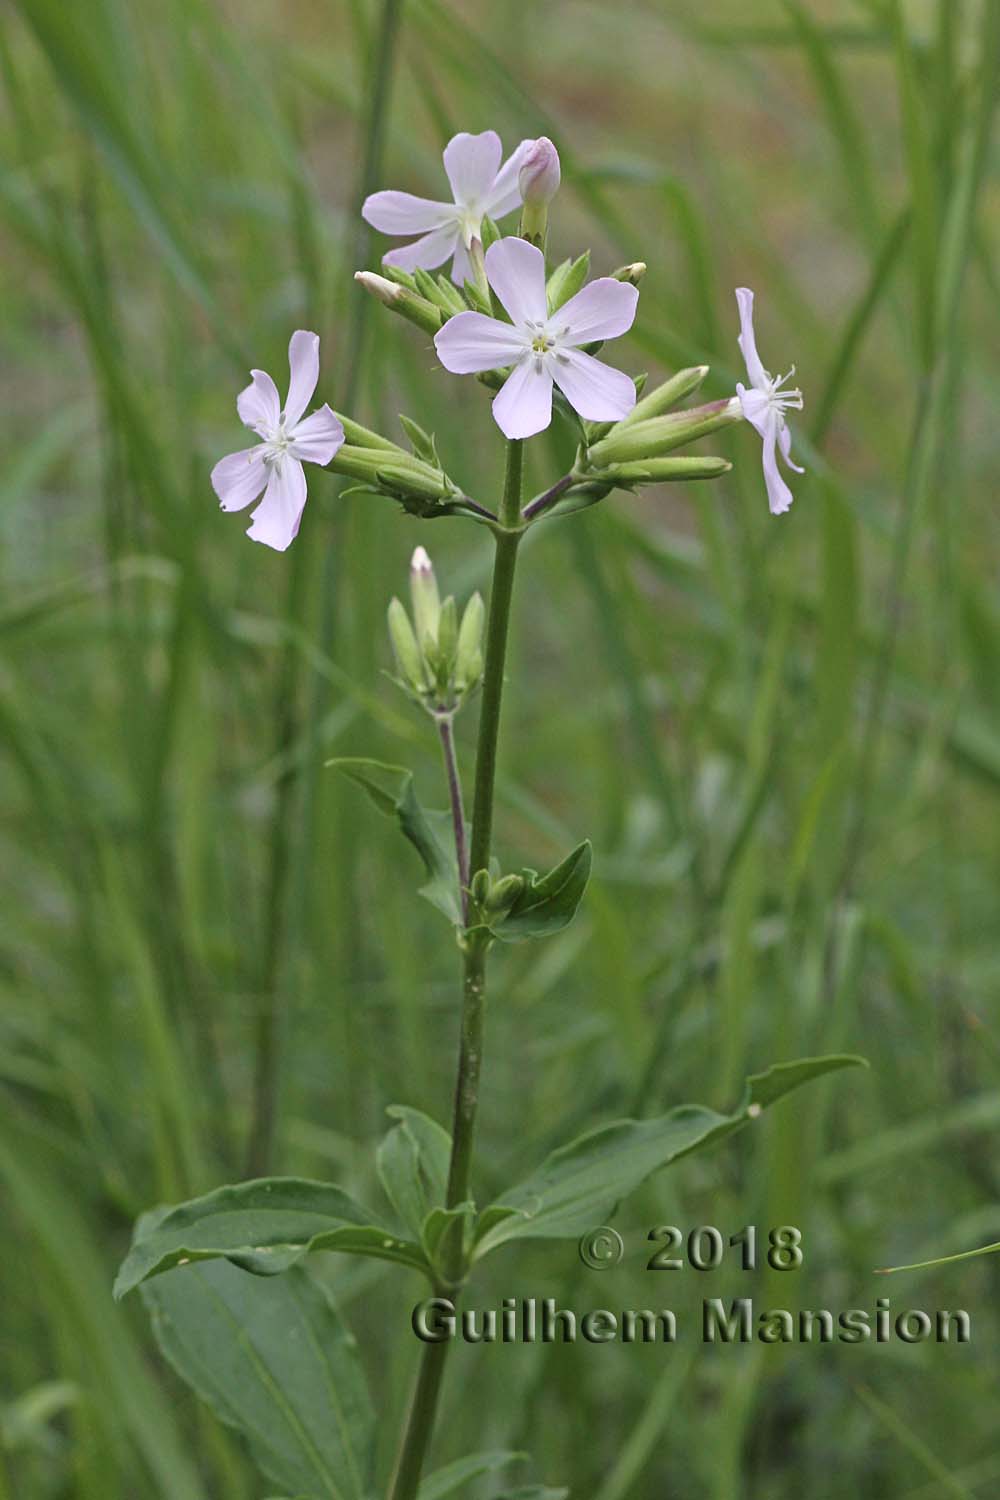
[[538, 179]]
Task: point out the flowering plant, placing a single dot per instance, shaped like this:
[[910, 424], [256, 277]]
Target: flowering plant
[[531, 332]]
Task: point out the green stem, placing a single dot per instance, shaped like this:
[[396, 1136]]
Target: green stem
[[508, 535], [419, 1423], [470, 1059], [477, 260], [423, 1407], [446, 732]]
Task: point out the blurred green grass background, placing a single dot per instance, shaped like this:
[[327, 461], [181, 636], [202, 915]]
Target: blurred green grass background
[[784, 736]]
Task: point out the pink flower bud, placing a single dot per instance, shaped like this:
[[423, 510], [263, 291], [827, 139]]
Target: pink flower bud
[[538, 179]]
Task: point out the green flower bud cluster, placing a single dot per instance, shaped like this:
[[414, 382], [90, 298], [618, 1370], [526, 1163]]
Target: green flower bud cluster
[[634, 451], [494, 898], [425, 298], [634, 440], [416, 479], [439, 661]]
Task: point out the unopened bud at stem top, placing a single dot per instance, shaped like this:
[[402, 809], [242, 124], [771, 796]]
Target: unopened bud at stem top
[[439, 662], [426, 599], [402, 300], [632, 274], [538, 182], [539, 177]]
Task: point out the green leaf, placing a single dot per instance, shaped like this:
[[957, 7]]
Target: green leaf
[[548, 902], [412, 1164], [445, 1481], [439, 1227], [391, 790], [566, 280], [274, 1360], [263, 1226], [942, 1260], [580, 1184]]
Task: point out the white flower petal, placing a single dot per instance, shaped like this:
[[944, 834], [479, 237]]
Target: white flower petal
[[303, 364], [505, 194], [594, 390], [317, 437], [602, 310], [470, 342], [524, 403], [755, 406], [259, 405], [239, 478], [472, 163], [746, 341], [403, 213], [779, 496], [430, 251], [276, 519], [785, 445], [516, 272]]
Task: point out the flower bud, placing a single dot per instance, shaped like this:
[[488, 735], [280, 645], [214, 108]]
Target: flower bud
[[469, 654], [538, 179], [503, 893], [664, 396], [409, 662], [392, 471], [438, 661], [638, 441], [401, 300], [632, 274], [538, 183], [479, 888], [447, 635], [426, 599], [659, 470]]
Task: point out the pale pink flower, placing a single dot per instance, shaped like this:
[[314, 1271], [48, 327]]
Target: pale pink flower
[[287, 440], [481, 188], [764, 405], [542, 348]]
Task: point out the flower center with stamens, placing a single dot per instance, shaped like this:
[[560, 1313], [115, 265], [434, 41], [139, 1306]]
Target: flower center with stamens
[[277, 443], [783, 400], [541, 340]]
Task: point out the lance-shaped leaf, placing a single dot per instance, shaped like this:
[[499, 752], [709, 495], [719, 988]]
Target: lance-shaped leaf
[[548, 902], [941, 1260], [263, 1226], [580, 1184], [412, 1163], [273, 1359], [391, 790]]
